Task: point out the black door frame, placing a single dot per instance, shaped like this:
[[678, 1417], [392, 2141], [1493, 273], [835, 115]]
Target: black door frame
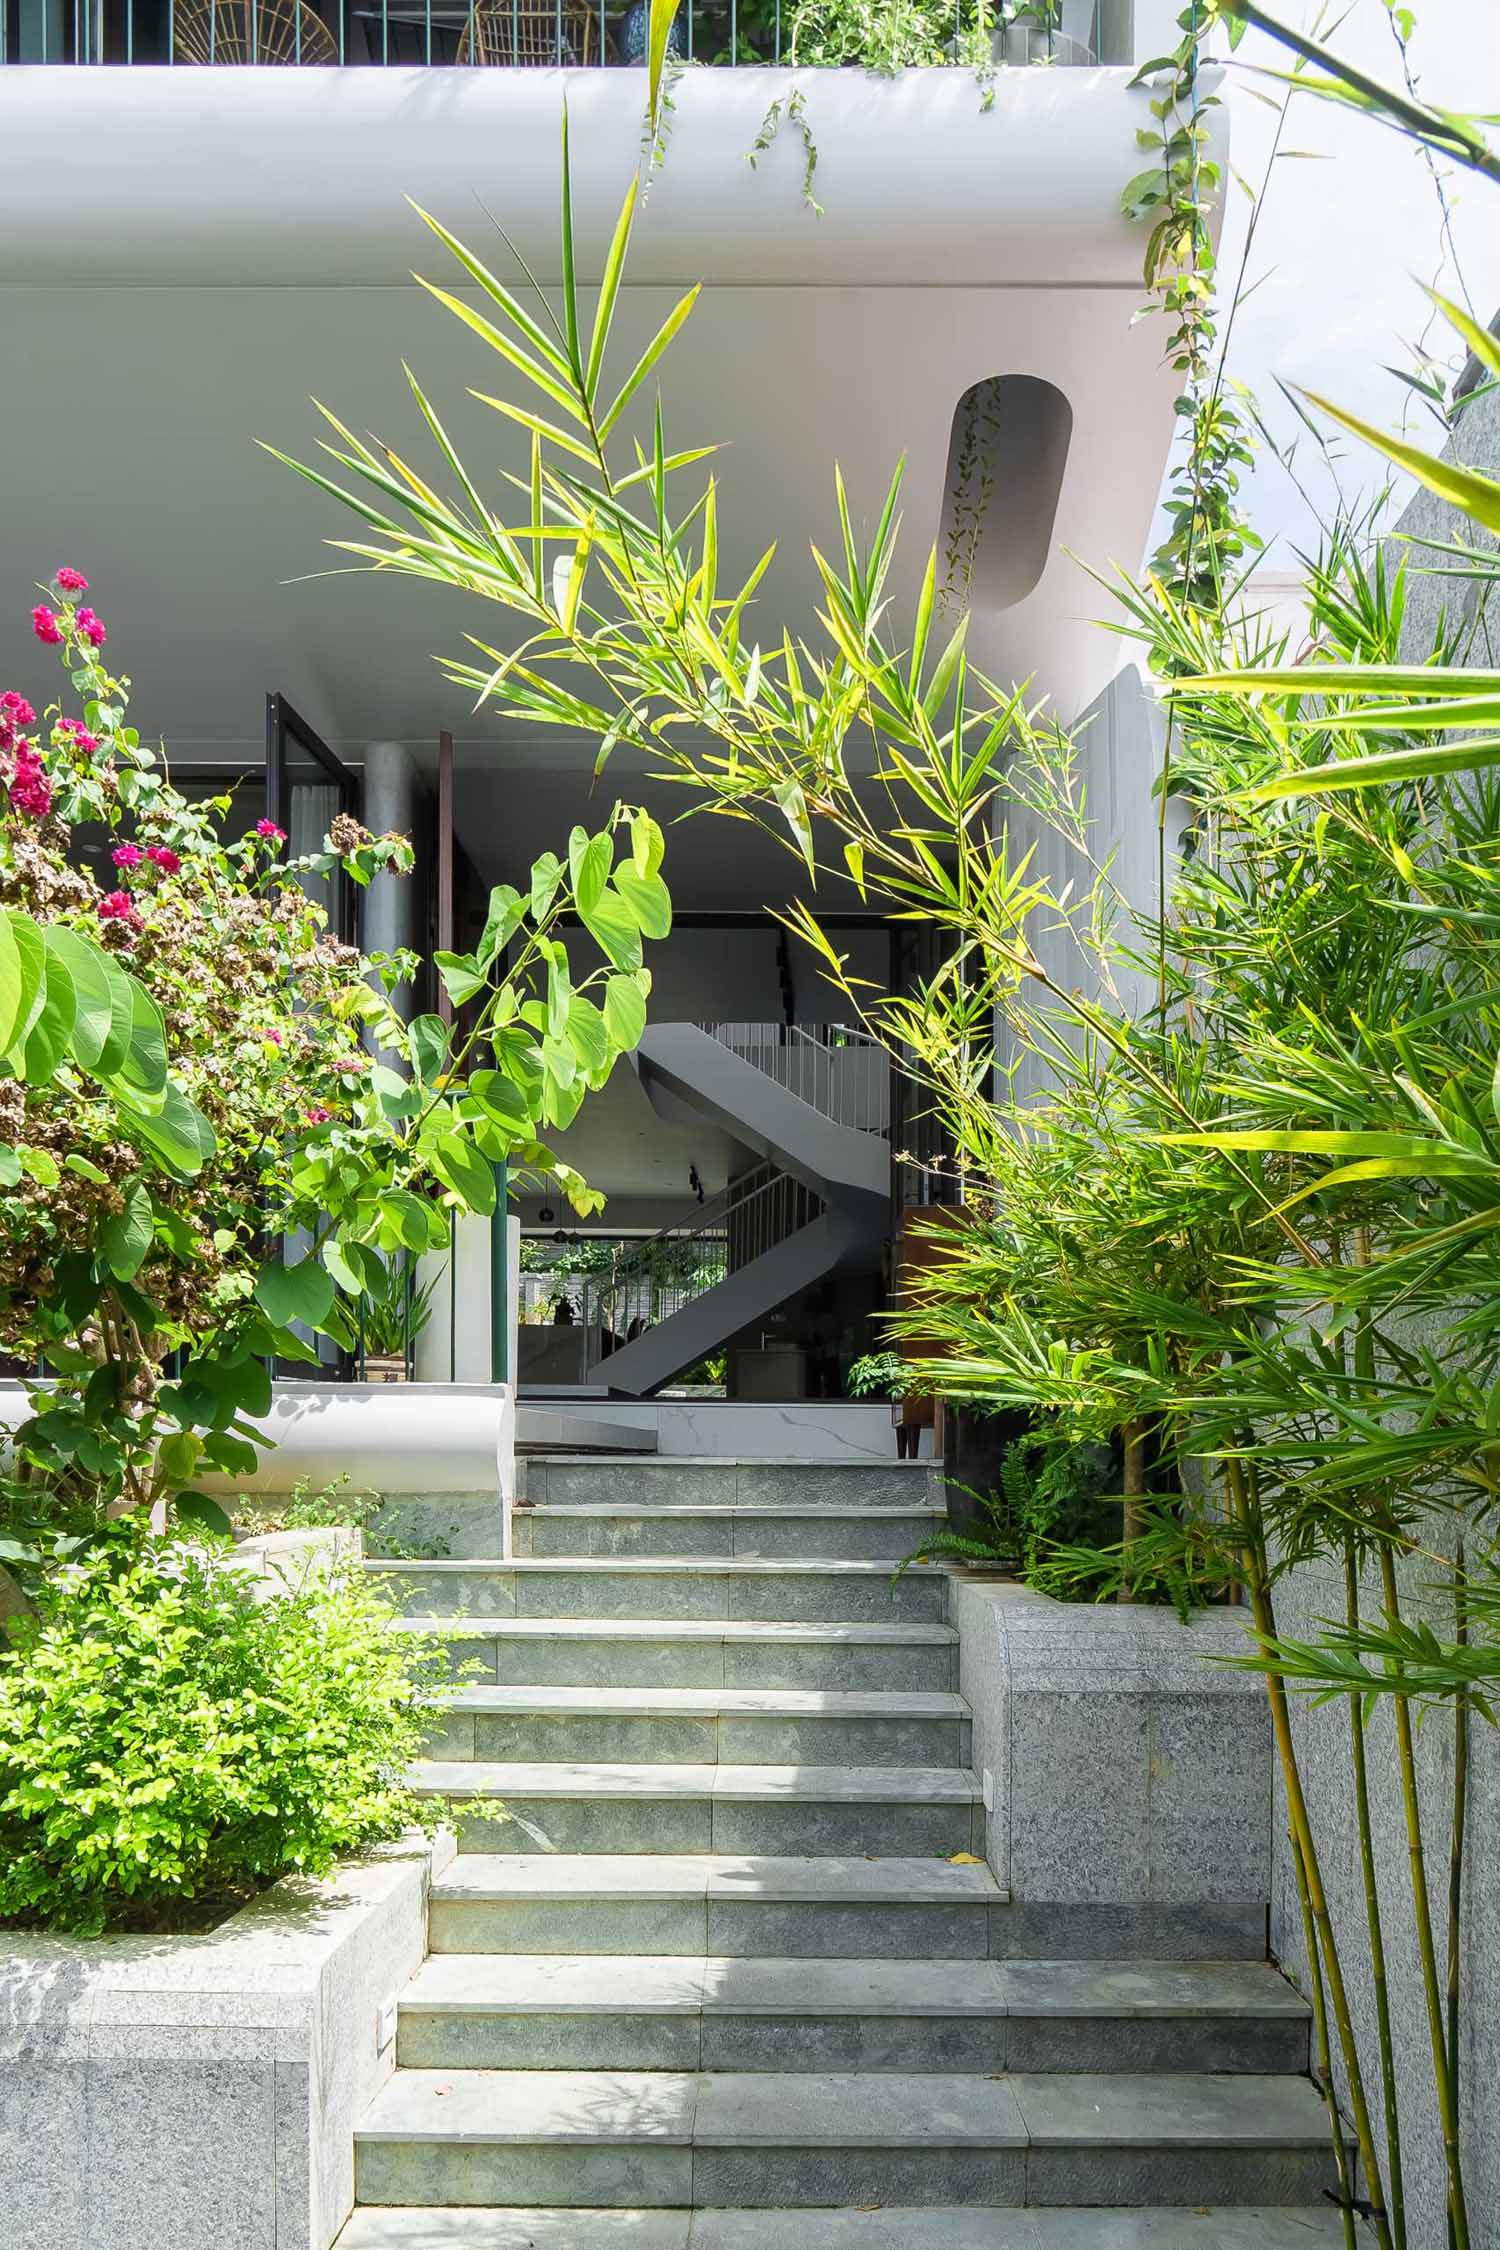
[[283, 724]]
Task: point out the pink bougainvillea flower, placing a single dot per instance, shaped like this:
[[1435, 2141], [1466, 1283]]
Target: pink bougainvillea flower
[[30, 790], [78, 734], [163, 856], [127, 855], [92, 627], [70, 581], [346, 1065], [318, 1115], [116, 906], [17, 709], [269, 829], [276, 1038], [45, 625]]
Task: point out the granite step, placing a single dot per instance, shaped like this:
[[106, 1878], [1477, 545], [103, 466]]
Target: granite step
[[788, 1590], [879, 1532], [778, 2141], [1306, 2227], [684, 1726], [685, 1652], [685, 1481], [719, 1903], [816, 1811], [718, 2013]]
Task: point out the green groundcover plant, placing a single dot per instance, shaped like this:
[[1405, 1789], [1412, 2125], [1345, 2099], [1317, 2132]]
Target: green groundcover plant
[[172, 1738]]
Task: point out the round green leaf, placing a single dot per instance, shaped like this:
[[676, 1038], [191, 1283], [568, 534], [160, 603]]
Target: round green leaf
[[302, 1292], [624, 1012]]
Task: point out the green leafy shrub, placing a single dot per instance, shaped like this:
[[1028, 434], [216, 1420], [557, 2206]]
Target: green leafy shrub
[[170, 1733]]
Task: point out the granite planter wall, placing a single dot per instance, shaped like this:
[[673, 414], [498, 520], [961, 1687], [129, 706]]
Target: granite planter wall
[[1127, 1776], [200, 2093]]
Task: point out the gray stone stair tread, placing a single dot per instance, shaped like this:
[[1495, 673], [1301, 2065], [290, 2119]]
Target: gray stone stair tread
[[572, 1875], [718, 1875], [1136, 2110], [886, 1785], [855, 2109], [458, 2228], [669, 1566], [603, 1984], [886, 1466], [556, 1984], [753, 1632], [599, 2108], [708, 1703], [1150, 1989], [725, 2109], [859, 1511], [750, 1985], [993, 2229], [930, 2229]]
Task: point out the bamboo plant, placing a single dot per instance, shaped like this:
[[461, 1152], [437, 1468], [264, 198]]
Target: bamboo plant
[[1220, 1218]]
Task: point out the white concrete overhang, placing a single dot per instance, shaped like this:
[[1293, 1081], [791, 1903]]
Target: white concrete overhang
[[189, 254]]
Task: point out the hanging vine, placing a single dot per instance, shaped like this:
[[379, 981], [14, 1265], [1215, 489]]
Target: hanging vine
[[1178, 194]]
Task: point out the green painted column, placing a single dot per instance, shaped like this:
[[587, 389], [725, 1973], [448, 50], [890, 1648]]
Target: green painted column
[[500, 1280]]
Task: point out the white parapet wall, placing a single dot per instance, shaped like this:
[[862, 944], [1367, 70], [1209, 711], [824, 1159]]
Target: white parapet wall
[[448, 1449]]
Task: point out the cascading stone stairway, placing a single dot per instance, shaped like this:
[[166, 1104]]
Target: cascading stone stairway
[[720, 1965]]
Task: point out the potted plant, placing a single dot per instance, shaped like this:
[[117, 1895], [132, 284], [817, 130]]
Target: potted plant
[[393, 1316]]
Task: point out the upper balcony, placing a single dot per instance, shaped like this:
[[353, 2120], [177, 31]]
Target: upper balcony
[[505, 34]]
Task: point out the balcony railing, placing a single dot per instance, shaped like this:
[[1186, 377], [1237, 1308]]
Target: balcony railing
[[544, 34]]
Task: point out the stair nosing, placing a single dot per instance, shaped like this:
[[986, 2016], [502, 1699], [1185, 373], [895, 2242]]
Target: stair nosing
[[483, 1878], [990, 1989], [895, 1632], [666, 2109], [549, 1701], [670, 1566], [604, 1778]]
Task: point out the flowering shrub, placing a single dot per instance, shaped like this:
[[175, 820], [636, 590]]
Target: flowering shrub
[[193, 1067]]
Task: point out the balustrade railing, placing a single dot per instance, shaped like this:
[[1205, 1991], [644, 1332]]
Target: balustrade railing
[[508, 34], [837, 1069]]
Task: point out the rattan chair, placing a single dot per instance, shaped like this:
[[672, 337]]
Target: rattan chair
[[251, 31], [528, 34]]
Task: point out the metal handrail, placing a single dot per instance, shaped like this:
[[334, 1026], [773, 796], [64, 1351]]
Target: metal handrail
[[837, 1069], [749, 1217]]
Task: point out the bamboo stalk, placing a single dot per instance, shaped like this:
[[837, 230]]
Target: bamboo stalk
[[1395, 2185], [1442, 2070], [1319, 1999], [1264, 1617], [1458, 1823], [1133, 1485]]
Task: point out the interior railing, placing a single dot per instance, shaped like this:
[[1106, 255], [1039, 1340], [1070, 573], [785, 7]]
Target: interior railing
[[508, 34], [837, 1069], [659, 1276]]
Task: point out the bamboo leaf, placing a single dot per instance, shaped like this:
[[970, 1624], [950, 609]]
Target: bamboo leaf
[[654, 349], [609, 288]]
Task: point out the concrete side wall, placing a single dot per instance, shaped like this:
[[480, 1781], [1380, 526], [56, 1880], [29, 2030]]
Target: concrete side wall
[[1127, 1775], [203, 2092]]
